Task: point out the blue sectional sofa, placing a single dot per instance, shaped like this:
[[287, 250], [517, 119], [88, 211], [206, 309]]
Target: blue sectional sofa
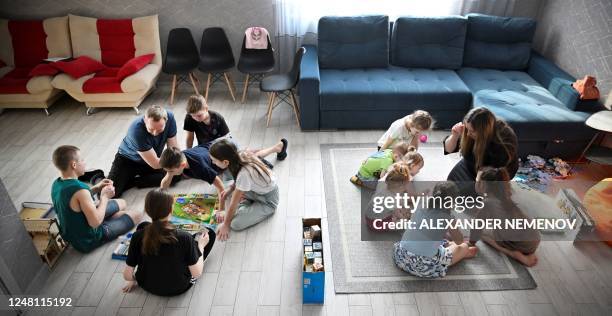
[[366, 72]]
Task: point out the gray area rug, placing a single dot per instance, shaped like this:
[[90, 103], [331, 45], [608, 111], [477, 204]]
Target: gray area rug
[[367, 266]]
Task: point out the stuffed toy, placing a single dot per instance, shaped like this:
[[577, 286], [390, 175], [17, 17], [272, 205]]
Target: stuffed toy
[[587, 88]]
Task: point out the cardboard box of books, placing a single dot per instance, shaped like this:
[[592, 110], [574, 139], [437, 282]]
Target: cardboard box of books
[[313, 275]]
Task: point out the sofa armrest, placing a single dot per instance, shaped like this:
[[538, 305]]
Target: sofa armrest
[[553, 78], [141, 80], [308, 86]]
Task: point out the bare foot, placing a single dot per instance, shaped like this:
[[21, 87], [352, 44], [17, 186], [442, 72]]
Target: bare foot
[[472, 251], [527, 260]]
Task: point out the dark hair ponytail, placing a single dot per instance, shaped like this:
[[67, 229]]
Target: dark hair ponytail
[[225, 150], [158, 205]]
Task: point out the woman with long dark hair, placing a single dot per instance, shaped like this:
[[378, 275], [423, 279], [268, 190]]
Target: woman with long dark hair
[[482, 140], [167, 260], [520, 244], [254, 194]]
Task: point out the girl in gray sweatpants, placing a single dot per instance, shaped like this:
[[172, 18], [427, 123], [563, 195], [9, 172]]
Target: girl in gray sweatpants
[[254, 194]]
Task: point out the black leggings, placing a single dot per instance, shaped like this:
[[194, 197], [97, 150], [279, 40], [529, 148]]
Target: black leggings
[[127, 174]]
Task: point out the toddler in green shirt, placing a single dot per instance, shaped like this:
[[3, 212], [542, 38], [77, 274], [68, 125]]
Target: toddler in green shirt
[[375, 166]]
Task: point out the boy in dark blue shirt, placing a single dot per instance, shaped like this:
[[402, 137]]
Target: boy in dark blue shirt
[[193, 162]]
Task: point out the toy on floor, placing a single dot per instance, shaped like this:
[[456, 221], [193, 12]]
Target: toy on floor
[[537, 172], [423, 138], [121, 251], [199, 208]]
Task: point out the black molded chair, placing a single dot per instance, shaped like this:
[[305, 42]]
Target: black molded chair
[[181, 59], [282, 86], [216, 59], [255, 63]]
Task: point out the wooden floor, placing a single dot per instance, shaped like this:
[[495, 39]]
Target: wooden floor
[[258, 271]]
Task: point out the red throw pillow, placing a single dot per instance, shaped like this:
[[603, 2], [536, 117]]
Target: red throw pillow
[[79, 67], [43, 70], [133, 65]]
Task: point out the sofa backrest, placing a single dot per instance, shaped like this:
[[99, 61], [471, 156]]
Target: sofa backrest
[[498, 42], [353, 42], [24, 44], [115, 41], [428, 42]]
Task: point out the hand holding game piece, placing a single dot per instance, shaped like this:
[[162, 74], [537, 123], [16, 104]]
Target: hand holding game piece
[[108, 191], [223, 232]]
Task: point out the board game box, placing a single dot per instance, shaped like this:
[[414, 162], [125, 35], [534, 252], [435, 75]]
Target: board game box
[[197, 207]]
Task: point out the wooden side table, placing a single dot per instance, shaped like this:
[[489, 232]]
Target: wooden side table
[[602, 122]]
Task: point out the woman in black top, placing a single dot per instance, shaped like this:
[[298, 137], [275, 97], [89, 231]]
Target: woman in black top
[[483, 140], [169, 260]]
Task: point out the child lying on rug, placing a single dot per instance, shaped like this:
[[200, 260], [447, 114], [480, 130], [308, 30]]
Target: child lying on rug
[[424, 252], [375, 167]]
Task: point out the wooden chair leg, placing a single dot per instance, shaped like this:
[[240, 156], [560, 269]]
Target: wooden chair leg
[[269, 111], [270, 108], [173, 89], [229, 85], [191, 78], [208, 78], [295, 108], [246, 87]]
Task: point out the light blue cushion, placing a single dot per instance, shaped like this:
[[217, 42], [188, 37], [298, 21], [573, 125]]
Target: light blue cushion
[[498, 42], [428, 42], [533, 112], [354, 42], [393, 88]]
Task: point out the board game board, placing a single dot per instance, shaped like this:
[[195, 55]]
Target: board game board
[[199, 208]]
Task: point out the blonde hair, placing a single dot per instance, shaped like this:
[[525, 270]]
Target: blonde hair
[[196, 103], [157, 113], [420, 119], [398, 172], [413, 158]]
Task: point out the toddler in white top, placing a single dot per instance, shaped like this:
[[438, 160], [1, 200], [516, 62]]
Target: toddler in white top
[[407, 129]]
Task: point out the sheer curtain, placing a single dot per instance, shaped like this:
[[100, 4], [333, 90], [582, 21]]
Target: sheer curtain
[[296, 20]]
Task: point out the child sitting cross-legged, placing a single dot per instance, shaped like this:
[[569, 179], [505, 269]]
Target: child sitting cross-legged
[[162, 259], [254, 194], [375, 166], [423, 251], [84, 223]]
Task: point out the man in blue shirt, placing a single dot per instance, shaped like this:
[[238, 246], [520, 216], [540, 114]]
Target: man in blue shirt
[[137, 161]]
